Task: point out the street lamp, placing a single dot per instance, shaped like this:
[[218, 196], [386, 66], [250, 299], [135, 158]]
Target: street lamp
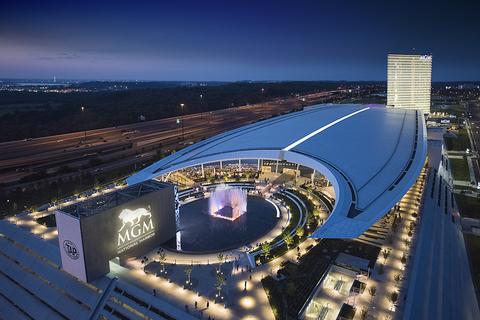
[[183, 132], [263, 102], [83, 118]]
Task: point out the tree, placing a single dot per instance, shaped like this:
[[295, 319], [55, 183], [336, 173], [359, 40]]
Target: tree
[[364, 313], [162, 257], [287, 237], [300, 232], [221, 259], [397, 278], [144, 263], [188, 272], [266, 249], [393, 297], [385, 253], [394, 226], [219, 283], [372, 291]]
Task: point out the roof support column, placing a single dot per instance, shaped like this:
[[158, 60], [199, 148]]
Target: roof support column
[[178, 236]]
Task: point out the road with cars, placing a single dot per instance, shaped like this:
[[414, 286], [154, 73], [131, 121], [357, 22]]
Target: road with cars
[[130, 143]]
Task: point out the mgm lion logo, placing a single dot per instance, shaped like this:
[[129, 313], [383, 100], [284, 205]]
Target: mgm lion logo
[[133, 226], [132, 217]]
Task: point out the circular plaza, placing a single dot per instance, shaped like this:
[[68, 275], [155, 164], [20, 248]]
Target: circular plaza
[[205, 233]]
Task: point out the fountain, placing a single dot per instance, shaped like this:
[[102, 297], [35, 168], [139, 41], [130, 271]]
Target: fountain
[[227, 202]]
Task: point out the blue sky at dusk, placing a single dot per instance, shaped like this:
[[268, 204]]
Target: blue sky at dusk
[[235, 40]]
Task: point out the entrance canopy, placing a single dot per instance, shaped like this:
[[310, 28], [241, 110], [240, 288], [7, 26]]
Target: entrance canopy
[[371, 154]]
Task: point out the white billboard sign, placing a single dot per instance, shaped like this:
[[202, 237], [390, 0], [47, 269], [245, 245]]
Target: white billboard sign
[[71, 246]]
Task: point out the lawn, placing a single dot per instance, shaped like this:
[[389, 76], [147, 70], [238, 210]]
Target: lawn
[[288, 296], [459, 169], [468, 206], [460, 143]]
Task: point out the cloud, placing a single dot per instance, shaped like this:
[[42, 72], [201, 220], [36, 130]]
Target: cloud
[[61, 56]]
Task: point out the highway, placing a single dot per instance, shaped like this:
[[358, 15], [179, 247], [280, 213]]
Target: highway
[[130, 143]]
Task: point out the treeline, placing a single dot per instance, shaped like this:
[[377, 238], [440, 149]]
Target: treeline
[[55, 113]]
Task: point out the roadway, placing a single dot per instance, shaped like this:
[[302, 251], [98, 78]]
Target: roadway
[[19, 158], [473, 125]]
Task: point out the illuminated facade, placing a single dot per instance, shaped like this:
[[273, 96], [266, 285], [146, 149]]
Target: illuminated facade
[[122, 224], [409, 81]]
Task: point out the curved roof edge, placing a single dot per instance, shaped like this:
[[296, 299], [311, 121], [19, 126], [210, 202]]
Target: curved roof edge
[[349, 218], [341, 226]]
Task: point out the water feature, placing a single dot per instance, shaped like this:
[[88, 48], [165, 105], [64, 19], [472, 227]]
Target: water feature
[[228, 202]]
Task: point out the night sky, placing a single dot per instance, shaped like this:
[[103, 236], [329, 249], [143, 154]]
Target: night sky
[[235, 40]]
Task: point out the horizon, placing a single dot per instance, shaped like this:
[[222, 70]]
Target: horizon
[[225, 81]]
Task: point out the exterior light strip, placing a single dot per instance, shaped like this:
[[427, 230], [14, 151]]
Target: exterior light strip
[[325, 127]]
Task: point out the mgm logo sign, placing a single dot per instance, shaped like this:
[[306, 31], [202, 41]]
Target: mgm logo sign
[[137, 226]]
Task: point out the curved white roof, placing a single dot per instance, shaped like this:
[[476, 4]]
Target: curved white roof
[[371, 154]]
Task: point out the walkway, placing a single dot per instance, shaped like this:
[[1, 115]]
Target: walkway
[[386, 270]]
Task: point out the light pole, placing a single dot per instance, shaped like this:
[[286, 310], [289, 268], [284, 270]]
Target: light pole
[[263, 102], [83, 118], [183, 132], [201, 106]]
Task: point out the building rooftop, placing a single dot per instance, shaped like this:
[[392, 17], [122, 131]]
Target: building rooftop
[[110, 200], [352, 262], [371, 155], [33, 285]]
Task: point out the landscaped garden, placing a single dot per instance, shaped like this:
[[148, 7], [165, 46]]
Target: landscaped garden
[[458, 143], [288, 295], [468, 206], [290, 240], [459, 169]]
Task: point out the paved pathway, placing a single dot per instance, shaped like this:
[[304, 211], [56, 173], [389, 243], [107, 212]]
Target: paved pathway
[[380, 306], [251, 303]]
